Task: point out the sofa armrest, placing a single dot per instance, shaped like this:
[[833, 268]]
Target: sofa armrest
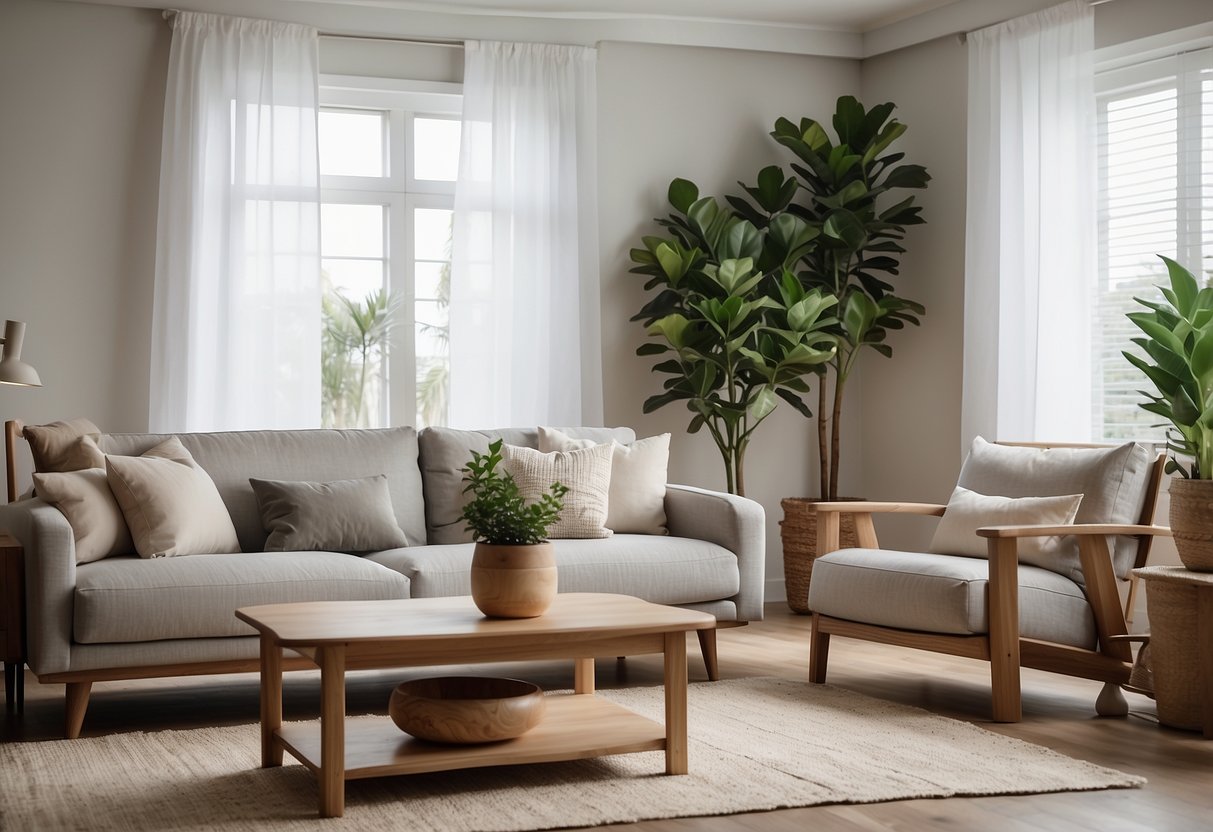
[[737, 524], [50, 580]]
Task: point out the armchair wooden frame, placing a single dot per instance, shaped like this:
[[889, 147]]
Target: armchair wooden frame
[[1006, 651]]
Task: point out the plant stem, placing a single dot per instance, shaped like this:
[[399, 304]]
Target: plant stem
[[836, 434], [823, 461]]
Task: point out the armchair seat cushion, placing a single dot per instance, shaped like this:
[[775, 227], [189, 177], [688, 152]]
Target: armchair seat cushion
[[944, 594]]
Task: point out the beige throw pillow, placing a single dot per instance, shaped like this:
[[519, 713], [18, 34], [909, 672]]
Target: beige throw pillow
[[969, 511], [339, 516], [60, 446], [170, 504], [638, 479], [587, 475], [86, 501]]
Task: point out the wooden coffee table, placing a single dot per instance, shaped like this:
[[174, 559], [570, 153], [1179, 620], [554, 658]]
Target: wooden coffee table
[[350, 635]]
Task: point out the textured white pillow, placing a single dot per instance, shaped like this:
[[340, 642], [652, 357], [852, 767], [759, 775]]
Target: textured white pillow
[[638, 479], [86, 501], [170, 504], [969, 511], [587, 475]]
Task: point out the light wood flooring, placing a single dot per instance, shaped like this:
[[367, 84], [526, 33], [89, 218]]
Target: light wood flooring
[[1058, 713]]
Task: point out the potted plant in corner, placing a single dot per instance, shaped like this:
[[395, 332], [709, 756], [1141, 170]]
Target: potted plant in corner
[[851, 189], [1178, 347], [739, 330], [513, 567]]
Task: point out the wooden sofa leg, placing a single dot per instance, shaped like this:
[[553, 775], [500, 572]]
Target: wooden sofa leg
[[819, 652], [707, 646], [76, 705]]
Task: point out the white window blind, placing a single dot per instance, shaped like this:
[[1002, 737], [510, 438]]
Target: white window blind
[[1155, 197]]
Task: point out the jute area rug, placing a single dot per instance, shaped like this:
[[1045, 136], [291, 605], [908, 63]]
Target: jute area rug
[[755, 744]]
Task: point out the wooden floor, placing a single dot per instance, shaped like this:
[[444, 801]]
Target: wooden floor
[[1058, 713]]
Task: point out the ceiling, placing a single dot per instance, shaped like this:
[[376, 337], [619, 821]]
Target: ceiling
[[846, 15], [830, 28]]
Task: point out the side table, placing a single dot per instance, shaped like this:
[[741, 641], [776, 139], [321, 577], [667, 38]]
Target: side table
[[12, 621], [1180, 605]]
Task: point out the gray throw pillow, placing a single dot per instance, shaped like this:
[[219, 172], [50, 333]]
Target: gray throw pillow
[[339, 516]]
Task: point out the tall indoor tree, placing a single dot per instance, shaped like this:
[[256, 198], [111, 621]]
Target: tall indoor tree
[[851, 190], [739, 330]]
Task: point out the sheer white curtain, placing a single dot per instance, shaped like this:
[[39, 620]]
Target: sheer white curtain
[[236, 317], [524, 313], [1031, 227]]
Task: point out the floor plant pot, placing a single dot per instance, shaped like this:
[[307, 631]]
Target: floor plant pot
[[1192, 522], [513, 581], [798, 530]]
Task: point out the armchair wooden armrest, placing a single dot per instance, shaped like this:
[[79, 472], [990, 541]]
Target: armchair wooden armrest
[[829, 520], [867, 507], [1081, 529]]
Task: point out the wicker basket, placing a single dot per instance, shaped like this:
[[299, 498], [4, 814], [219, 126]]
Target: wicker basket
[[798, 530], [1192, 522], [1174, 653]]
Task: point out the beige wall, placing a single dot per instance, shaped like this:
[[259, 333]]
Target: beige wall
[[81, 102], [704, 115]]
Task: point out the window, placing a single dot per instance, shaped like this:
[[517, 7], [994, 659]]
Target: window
[[388, 160], [1155, 197]]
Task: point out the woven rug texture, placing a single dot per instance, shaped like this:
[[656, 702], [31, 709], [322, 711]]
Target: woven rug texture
[[755, 744]]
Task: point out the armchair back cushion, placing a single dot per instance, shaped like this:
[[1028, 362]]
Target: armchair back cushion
[[1113, 482]]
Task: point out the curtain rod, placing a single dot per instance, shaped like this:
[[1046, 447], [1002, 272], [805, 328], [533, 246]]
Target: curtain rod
[[964, 36], [169, 14]]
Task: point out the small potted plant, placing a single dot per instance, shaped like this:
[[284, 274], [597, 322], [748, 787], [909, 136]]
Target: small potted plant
[[1178, 346], [514, 566]]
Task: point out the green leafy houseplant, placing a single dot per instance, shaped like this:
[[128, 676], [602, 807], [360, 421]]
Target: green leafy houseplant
[[739, 331], [1178, 346], [847, 191], [498, 514]]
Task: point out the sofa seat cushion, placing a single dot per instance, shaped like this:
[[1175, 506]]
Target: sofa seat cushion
[[126, 599], [944, 594], [664, 570]]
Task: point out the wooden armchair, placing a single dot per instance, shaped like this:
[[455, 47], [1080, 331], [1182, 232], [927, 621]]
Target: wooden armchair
[[1100, 655]]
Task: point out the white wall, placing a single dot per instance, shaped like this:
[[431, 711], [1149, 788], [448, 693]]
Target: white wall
[[704, 115], [81, 100]]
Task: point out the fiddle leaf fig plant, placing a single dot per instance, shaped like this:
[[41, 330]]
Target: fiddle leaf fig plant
[[737, 330], [1178, 346], [841, 196], [498, 513]]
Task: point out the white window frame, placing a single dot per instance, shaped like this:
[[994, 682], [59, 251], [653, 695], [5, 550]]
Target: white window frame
[[402, 194], [1134, 69]]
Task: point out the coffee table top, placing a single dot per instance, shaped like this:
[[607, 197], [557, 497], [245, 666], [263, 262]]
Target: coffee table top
[[427, 619]]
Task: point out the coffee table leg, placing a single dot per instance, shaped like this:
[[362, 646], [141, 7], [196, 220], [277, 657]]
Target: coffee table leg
[[583, 676], [331, 773], [676, 703], [271, 701]]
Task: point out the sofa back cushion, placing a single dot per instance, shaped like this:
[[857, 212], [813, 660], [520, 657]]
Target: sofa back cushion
[[445, 452], [231, 458]]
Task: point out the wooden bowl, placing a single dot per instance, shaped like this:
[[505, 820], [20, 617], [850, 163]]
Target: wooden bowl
[[466, 709]]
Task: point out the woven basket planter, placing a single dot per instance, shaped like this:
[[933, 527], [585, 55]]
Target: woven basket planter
[[1174, 653], [1192, 523], [798, 530]]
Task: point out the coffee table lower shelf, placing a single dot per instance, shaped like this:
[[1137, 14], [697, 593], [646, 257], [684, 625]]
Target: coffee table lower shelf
[[576, 726]]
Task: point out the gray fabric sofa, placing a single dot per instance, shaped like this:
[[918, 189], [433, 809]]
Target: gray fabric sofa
[[127, 617]]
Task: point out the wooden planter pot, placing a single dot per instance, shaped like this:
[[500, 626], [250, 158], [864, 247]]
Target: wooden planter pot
[[513, 581]]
